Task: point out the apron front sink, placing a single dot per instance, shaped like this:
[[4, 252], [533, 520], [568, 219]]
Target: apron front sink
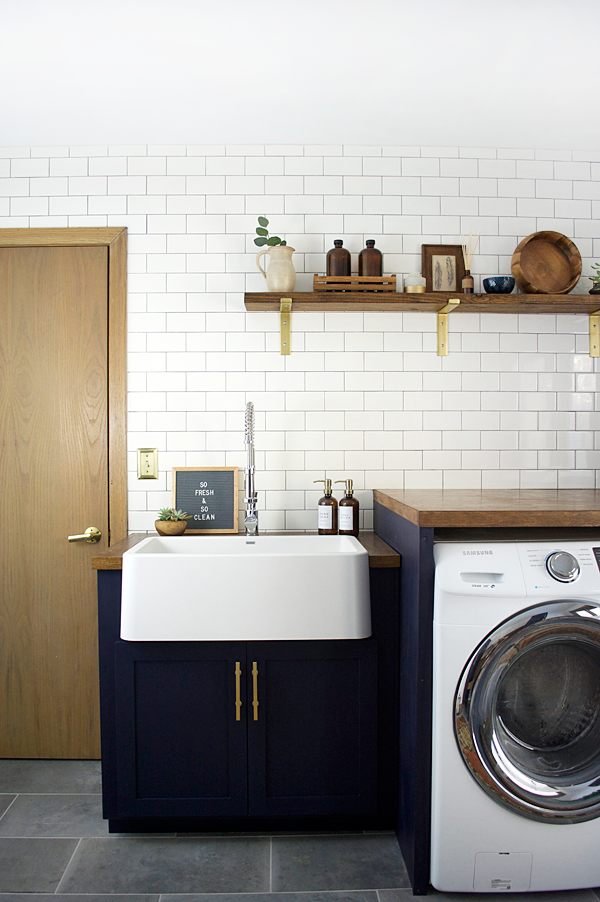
[[222, 588]]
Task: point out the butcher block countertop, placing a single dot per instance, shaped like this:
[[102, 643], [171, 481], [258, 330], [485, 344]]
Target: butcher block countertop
[[458, 508], [380, 554]]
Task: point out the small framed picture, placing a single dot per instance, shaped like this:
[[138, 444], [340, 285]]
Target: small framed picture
[[442, 266]]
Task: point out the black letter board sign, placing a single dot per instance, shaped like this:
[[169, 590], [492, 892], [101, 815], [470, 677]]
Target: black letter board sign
[[210, 495]]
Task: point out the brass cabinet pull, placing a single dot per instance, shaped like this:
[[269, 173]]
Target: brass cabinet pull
[[255, 689], [238, 700]]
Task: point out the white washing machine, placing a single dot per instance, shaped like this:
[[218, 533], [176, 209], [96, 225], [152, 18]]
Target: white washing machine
[[516, 717]]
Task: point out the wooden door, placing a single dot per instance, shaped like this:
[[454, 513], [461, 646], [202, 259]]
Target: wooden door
[[313, 748], [181, 751], [54, 482]]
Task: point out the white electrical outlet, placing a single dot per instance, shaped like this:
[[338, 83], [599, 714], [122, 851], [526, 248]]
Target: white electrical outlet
[[147, 463]]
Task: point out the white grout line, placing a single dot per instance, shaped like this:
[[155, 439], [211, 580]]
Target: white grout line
[[57, 890], [58, 792], [11, 804]]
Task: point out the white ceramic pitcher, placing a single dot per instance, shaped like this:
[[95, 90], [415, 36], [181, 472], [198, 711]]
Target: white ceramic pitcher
[[280, 275]]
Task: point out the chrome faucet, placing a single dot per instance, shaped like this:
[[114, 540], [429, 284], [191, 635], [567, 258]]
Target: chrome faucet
[[251, 518]]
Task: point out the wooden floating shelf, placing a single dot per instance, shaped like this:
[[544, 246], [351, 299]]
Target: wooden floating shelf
[[425, 303]]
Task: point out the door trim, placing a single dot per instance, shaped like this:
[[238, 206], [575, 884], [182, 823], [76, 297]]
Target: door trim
[[115, 239]]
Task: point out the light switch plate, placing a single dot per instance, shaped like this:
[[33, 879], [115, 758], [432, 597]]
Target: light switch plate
[[147, 459]]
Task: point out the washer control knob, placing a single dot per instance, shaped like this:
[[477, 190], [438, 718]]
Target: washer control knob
[[562, 566]]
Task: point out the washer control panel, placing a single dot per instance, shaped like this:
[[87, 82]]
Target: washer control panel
[[518, 569], [573, 568]]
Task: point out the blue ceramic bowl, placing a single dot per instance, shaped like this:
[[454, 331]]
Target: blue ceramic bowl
[[499, 284]]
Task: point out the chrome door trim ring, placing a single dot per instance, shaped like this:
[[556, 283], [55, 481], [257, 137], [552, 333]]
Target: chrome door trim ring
[[480, 734]]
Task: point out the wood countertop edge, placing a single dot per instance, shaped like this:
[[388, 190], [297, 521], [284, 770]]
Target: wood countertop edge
[[397, 507], [112, 558], [381, 556], [540, 508]]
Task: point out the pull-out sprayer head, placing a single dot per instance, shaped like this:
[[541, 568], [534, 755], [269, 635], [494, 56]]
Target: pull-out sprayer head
[[251, 518], [249, 422]]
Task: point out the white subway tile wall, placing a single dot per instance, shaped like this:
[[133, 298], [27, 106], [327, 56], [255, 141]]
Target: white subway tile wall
[[363, 395]]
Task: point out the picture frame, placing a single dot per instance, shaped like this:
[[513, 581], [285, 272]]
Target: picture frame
[[443, 267], [210, 495]]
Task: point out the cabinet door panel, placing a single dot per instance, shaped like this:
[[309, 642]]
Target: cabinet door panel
[[181, 752], [313, 748]]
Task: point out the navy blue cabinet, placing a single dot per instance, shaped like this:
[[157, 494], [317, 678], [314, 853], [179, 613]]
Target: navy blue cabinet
[[210, 729], [323, 751], [312, 749], [180, 750]]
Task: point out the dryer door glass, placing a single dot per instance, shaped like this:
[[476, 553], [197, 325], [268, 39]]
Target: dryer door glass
[[527, 712]]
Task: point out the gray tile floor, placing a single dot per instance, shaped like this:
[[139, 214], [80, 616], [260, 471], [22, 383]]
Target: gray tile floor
[[53, 841]]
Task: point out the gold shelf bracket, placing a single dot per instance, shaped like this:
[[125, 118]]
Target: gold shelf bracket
[[442, 326], [285, 316], [595, 334]]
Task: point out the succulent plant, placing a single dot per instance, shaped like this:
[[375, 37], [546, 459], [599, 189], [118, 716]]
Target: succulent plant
[[169, 513], [263, 234], [596, 277]]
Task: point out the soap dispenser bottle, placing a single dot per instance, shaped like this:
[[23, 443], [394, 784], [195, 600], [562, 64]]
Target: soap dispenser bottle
[[348, 511], [327, 511]]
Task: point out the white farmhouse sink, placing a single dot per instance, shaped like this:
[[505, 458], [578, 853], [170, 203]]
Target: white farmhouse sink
[[208, 588]]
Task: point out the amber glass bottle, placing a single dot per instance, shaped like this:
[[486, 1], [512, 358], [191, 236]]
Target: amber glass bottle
[[348, 511], [338, 260], [327, 511], [370, 261], [468, 283]]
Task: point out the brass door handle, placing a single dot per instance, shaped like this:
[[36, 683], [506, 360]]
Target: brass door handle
[[255, 689], [91, 535], [238, 700]]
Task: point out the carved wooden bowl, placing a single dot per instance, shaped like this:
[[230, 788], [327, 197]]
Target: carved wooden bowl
[[546, 263]]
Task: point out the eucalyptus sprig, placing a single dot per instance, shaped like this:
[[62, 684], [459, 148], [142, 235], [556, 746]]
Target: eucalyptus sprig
[[263, 235]]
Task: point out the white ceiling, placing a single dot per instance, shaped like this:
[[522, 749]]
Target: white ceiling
[[510, 73]]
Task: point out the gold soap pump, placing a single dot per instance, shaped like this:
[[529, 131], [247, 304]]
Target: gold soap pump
[[327, 511], [348, 510]]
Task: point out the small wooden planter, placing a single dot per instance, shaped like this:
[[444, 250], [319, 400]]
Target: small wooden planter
[[170, 527]]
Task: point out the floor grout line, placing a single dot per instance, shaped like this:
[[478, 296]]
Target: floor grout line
[[57, 890], [10, 805]]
